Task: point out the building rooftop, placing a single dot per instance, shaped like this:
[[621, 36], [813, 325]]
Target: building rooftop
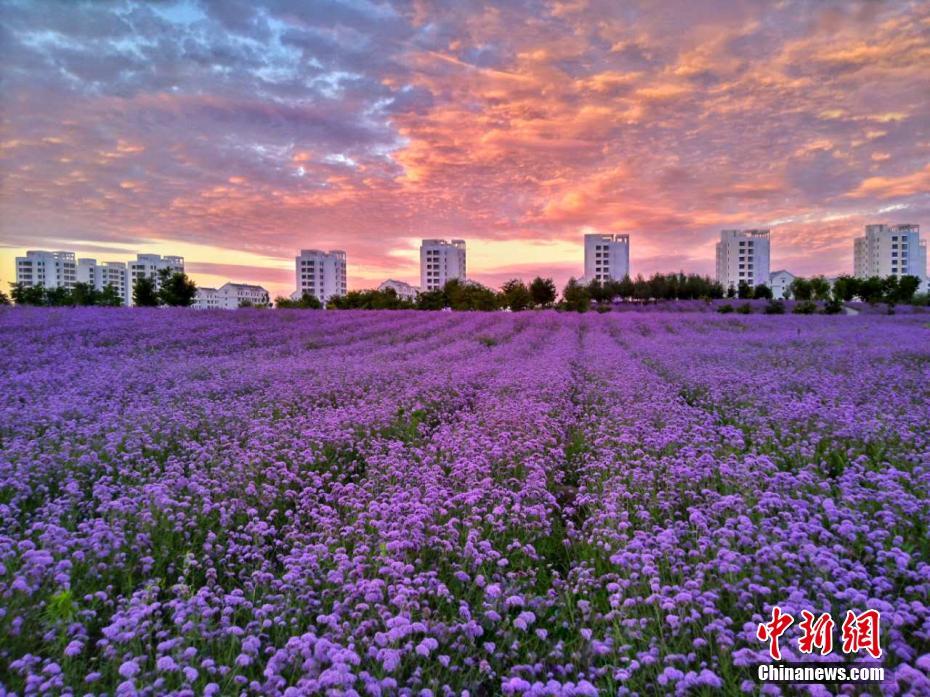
[[244, 286]]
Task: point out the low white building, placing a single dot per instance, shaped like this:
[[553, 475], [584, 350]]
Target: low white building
[[779, 282], [47, 269], [404, 291], [206, 299], [109, 273], [231, 296], [321, 274], [235, 295], [440, 262], [606, 257]]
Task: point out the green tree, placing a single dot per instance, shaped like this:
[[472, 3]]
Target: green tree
[[744, 290], [659, 287], [890, 289], [845, 288], [625, 287], [600, 292], [4, 298], [468, 295], [305, 302], [575, 296], [801, 289], [762, 292], [144, 293], [641, 290], [872, 289], [542, 291], [177, 290], [27, 295], [907, 287], [432, 300], [386, 299], [515, 295], [84, 294], [731, 293], [58, 297], [820, 288], [110, 297]]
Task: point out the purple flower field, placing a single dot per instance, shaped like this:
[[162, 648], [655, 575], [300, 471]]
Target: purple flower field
[[291, 503]]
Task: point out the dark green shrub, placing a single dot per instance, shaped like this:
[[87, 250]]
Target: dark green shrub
[[775, 307]]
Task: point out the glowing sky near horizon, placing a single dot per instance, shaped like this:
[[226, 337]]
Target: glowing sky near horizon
[[237, 132]]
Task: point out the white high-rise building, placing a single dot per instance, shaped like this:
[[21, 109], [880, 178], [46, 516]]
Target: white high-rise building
[[148, 266], [890, 250], [606, 257], [743, 255], [48, 269], [109, 273], [404, 290], [440, 262], [321, 274]]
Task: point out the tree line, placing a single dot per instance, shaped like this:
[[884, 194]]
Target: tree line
[[517, 295], [875, 289], [178, 290], [174, 289], [455, 294]]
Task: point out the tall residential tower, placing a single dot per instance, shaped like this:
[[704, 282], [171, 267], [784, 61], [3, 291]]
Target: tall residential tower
[[109, 273], [321, 274], [47, 269], [890, 250], [743, 255], [441, 261], [606, 257], [148, 266]]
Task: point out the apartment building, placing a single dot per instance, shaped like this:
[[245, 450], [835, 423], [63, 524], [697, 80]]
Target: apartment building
[[206, 299], [890, 250], [235, 295], [321, 274], [779, 282], [108, 273], [404, 291], [149, 266], [440, 262], [231, 296], [743, 255], [606, 257], [48, 269]]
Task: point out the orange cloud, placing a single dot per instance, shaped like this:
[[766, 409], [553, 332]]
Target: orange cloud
[[894, 187]]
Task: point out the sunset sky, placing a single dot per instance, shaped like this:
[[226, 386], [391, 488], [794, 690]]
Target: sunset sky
[[237, 132]]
